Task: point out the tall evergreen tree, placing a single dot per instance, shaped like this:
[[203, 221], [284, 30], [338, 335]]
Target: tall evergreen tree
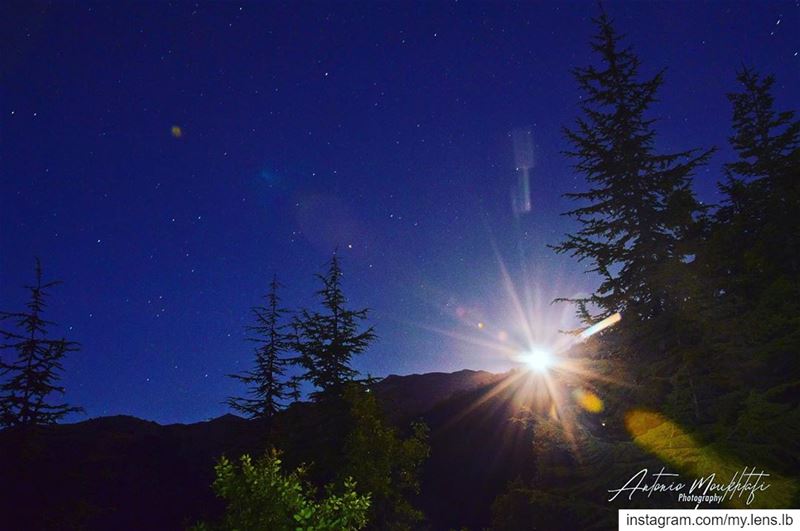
[[753, 257], [32, 378], [758, 221], [329, 339], [640, 210], [766, 140], [268, 386]]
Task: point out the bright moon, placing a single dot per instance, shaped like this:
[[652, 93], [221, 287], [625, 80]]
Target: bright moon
[[538, 360]]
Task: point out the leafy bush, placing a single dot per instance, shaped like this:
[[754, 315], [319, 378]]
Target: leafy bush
[[383, 462], [261, 497]]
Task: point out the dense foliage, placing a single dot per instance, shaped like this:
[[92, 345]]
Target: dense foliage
[[261, 496], [382, 462]]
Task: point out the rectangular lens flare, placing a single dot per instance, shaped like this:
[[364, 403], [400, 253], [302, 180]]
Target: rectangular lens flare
[[602, 325]]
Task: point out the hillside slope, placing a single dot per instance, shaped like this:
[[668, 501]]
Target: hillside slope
[[122, 472]]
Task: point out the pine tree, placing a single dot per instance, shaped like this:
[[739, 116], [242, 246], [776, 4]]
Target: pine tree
[[765, 140], [328, 340], [762, 190], [752, 259], [294, 392], [33, 376], [640, 210], [269, 389]]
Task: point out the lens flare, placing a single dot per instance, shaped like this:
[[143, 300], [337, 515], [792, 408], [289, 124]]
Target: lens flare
[[602, 325], [588, 400], [554, 371], [706, 461], [538, 360]]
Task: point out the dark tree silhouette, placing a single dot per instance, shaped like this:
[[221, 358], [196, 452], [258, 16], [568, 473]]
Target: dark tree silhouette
[[294, 392], [640, 207], [32, 378], [765, 140], [752, 260], [328, 340], [269, 389], [758, 221]]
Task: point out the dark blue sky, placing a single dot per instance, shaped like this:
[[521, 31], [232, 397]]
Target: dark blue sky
[[380, 127]]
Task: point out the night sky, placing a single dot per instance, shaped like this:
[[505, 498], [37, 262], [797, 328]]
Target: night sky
[[166, 159]]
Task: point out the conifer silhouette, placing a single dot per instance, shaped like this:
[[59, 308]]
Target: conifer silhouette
[[328, 340], [269, 390], [32, 378], [640, 206]]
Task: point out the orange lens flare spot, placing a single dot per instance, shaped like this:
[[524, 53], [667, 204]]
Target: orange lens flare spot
[[588, 400], [176, 131]]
